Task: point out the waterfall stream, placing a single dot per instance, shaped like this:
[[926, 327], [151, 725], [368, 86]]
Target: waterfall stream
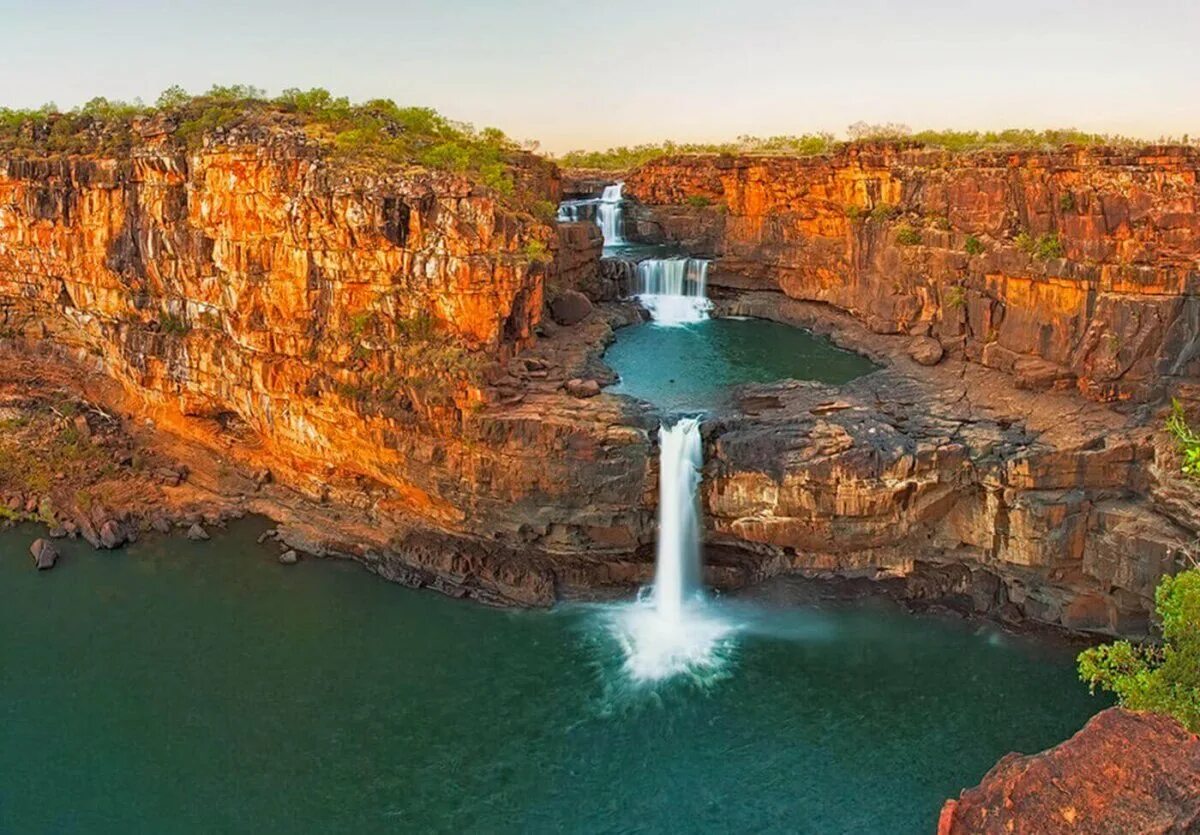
[[610, 214], [674, 629], [674, 290]]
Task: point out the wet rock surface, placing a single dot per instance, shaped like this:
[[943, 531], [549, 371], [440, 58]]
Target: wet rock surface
[[1123, 773]]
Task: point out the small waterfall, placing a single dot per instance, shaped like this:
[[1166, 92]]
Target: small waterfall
[[677, 564], [610, 214], [674, 290]]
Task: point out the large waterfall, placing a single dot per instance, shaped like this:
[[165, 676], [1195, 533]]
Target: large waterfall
[[674, 629], [677, 566], [674, 290]]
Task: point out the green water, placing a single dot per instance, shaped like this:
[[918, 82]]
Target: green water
[[695, 367], [183, 687]]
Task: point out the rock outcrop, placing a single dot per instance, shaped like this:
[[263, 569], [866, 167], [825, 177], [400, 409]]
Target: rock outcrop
[[1123, 773], [347, 329], [1068, 269]]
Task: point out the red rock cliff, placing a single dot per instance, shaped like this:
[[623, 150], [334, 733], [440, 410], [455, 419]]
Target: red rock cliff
[[348, 320], [1067, 268]]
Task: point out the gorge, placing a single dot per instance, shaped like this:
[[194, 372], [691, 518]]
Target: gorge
[[884, 371]]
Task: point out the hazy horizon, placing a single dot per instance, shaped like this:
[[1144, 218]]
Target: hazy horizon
[[621, 73]]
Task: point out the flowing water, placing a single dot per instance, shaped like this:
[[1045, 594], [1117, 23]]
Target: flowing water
[[674, 290], [201, 687], [607, 211]]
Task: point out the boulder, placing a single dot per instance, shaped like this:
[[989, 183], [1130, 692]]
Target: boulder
[[196, 533], [582, 388], [113, 534], [289, 557], [44, 554], [570, 307], [926, 350], [1124, 772]]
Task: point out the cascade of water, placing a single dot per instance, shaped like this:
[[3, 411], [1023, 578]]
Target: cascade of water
[[677, 565], [674, 290], [609, 214]]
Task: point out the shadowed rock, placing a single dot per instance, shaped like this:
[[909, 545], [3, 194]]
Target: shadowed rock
[[44, 554]]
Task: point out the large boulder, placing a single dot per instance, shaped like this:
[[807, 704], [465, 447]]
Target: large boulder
[[570, 307], [926, 350], [1124, 772], [113, 534], [581, 388], [44, 554], [196, 533]]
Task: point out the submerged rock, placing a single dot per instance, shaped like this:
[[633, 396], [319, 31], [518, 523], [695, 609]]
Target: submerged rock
[[1124, 772], [45, 555]]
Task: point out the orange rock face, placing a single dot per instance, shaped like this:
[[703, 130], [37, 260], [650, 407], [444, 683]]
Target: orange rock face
[[1070, 268], [1123, 773], [348, 321]]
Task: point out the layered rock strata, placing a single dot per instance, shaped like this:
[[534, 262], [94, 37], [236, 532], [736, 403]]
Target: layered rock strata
[[1068, 269], [349, 329]]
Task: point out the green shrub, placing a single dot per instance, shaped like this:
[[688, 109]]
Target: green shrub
[[855, 212], [698, 201], [537, 253], [1186, 440], [973, 245], [954, 296], [625, 157], [884, 211], [1066, 202], [1158, 678], [907, 236], [545, 211], [1043, 246]]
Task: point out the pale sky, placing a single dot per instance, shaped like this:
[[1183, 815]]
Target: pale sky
[[593, 74]]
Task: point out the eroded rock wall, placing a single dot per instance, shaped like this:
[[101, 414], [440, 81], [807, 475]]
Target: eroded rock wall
[[1074, 268], [344, 326]]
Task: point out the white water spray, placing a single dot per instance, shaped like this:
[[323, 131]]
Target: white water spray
[[674, 290], [610, 214], [674, 630]]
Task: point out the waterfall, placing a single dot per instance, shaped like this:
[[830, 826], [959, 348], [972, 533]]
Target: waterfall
[[674, 630], [609, 214], [674, 290], [607, 211], [677, 566]]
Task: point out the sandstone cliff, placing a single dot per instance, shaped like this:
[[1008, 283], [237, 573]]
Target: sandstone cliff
[[345, 327], [1072, 268]]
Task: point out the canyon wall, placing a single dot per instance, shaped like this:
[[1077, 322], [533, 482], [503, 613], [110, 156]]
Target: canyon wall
[[347, 327], [1075, 268]]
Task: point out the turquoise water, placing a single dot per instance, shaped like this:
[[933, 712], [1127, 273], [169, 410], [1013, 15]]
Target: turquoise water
[[695, 367], [202, 687]]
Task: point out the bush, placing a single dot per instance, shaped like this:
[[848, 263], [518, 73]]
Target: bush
[[698, 201], [1067, 202], [907, 236], [537, 253], [625, 157], [1159, 678], [884, 211], [954, 296], [973, 246], [855, 212], [1186, 440], [1044, 246]]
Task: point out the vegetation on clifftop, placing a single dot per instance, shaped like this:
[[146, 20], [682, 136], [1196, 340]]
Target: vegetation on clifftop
[[1162, 678], [810, 144], [376, 132]]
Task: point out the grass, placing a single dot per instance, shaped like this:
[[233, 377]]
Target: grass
[[907, 236], [377, 133], [1186, 440]]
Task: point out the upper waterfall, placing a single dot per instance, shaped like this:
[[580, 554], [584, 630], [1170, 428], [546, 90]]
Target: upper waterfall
[[610, 214]]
